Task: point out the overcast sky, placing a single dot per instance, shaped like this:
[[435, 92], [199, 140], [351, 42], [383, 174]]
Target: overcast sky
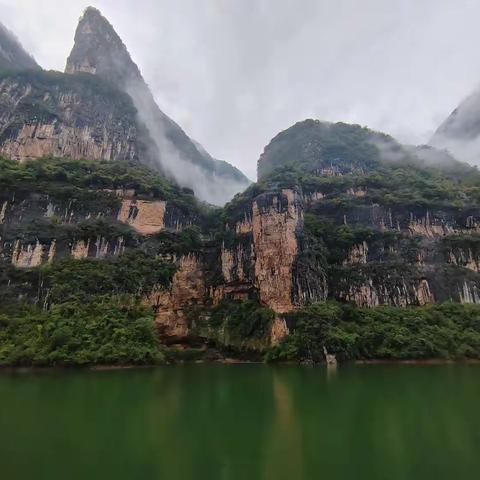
[[233, 73]]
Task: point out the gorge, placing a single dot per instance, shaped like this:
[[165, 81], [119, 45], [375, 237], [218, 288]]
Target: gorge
[[349, 242]]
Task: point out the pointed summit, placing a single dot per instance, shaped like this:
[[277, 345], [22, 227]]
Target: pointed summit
[[99, 50], [12, 54]]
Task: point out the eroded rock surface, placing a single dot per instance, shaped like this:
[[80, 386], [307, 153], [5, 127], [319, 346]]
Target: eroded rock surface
[[145, 216]]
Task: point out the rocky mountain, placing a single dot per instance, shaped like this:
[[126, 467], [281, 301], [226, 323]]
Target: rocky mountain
[[51, 114], [103, 109], [99, 50], [460, 132], [12, 54], [350, 245], [344, 230]]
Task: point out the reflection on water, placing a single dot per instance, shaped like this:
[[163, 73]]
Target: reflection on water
[[242, 422]]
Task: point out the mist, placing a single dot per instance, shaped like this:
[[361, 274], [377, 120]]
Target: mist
[[234, 73], [12, 52], [213, 189]]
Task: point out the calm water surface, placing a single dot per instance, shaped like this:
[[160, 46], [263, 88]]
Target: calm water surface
[[242, 422]]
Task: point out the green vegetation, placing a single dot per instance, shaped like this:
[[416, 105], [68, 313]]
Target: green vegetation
[[88, 187], [78, 312], [99, 330], [449, 331], [242, 319], [313, 144], [185, 241], [239, 324], [340, 148], [132, 273], [50, 174]]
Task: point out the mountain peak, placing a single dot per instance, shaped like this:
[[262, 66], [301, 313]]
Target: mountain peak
[[99, 50], [12, 54], [92, 11]]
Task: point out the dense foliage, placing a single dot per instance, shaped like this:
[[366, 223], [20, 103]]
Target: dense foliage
[[77, 312], [332, 148], [98, 330], [57, 174], [436, 331], [241, 324]]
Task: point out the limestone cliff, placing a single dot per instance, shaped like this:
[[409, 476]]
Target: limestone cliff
[[356, 230], [42, 221], [42, 114]]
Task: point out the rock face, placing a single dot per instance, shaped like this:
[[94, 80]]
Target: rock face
[[145, 216], [380, 244], [42, 115], [359, 219], [187, 289], [12, 54], [275, 222], [37, 227], [98, 50]]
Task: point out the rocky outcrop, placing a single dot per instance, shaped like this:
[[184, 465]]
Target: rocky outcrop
[[275, 222], [278, 331], [424, 226], [59, 140], [27, 256], [357, 254], [464, 257], [41, 114], [80, 249], [233, 263], [3, 211], [187, 289], [24, 254], [372, 292], [145, 216], [469, 293]]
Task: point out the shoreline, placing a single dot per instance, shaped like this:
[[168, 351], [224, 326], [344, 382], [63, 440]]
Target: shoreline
[[232, 361], [420, 361]]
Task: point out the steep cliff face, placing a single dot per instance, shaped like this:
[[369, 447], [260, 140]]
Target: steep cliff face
[[389, 231], [59, 209], [275, 222], [187, 290], [45, 114], [370, 231]]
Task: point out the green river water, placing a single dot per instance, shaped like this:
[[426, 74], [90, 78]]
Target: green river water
[[242, 422]]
